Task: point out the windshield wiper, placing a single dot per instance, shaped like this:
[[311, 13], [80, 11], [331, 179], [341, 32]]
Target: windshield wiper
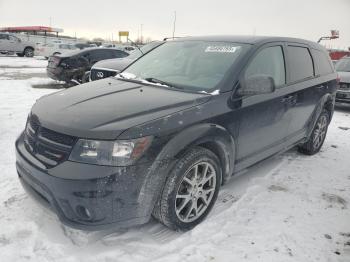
[[158, 81]]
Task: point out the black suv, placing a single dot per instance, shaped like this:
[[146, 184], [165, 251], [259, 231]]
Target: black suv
[[71, 67], [163, 136]]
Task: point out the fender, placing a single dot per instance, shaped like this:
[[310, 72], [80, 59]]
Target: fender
[[326, 102], [210, 136]]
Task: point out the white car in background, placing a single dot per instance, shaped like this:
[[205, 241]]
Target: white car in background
[[50, 49], [10, 44]]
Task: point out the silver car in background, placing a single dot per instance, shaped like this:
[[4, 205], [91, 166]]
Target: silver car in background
[[343, 69], [10, 44]]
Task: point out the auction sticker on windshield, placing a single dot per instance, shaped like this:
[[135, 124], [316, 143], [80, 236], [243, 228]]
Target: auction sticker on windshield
[[222, 49]]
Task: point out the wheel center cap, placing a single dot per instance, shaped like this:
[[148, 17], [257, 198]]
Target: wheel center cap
[[197, 191]]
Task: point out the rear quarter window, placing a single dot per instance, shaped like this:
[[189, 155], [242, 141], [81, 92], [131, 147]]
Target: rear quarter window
[[300, 63], [322, 63]]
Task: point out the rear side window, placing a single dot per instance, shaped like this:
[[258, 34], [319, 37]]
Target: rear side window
[[300, 62], [269, 62], [322, 63], [118, 54], [97, 55]]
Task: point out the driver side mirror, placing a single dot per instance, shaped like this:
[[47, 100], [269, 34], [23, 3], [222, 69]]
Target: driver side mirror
[[256, 85]]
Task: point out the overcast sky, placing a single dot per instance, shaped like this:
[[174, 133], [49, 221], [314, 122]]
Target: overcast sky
[[308, 19]]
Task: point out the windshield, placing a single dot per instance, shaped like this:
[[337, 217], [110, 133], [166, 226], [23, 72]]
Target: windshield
[[343, 65], [190, 65]]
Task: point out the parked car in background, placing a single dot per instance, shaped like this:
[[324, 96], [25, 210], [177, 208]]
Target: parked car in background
[[84, 45], [72, 66], [124, 47], [50, 49], [343, 69], [163, 136], [12, 44], [111, 67]]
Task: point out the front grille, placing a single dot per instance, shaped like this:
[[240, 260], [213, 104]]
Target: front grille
[[49, 147], [97, 74], [344, 86]]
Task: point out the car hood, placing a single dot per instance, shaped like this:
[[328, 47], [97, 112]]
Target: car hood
[[113, 64], [344, 77], [105, 108]]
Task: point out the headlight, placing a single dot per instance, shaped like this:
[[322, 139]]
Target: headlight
[[110, 153]]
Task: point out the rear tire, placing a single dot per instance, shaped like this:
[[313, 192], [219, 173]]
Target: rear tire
[[29, 52], [318, 135], [190, 190]]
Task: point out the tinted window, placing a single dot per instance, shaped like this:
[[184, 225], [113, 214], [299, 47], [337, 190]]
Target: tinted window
[[118, 54], [322, 63], [97, 55], [300, 62], [3, 36], [269, 62]]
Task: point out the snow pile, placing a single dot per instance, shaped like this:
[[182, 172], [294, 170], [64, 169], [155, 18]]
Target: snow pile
[[289, 208], [22, 62]]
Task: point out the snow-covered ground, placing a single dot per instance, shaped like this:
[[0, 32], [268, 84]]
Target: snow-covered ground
[[289, 208]]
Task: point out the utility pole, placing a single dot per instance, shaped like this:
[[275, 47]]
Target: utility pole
[[141, 34], [50, 20], [174, 24]]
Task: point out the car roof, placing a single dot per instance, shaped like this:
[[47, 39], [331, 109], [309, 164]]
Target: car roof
[[249, 39], [88, 49]]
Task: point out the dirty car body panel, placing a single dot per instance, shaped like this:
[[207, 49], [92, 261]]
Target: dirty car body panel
[[240, 129]]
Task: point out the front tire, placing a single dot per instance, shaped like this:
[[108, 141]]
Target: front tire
[[318, 135], [190, 190]]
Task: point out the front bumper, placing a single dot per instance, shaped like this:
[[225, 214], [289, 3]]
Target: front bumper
[[98, 197], [342, 96]]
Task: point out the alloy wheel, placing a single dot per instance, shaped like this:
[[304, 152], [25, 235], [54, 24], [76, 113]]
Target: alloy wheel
[[195, 192], [320, 131]]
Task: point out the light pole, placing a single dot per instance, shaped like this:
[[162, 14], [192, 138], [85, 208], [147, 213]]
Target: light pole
[[174, 24], [141, 34]]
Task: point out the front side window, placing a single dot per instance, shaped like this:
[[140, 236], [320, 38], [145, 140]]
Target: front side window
[[190, 65], [301, 66], [268, 62]]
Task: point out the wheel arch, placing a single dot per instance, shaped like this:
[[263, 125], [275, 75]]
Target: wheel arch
[[327, 103], [210, 136], [28, 46]]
